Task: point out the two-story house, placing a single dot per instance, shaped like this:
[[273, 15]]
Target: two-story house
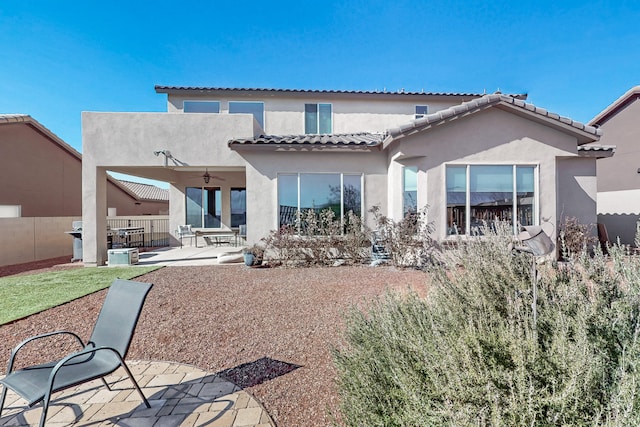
[[258, 156]]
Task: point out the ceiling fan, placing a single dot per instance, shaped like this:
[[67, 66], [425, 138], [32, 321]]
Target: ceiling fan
[[207, 177]]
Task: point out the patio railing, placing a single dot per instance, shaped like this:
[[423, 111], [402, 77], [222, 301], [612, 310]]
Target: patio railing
[[154, 231]]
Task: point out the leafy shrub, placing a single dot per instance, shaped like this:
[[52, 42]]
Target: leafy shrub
[[470, 354]]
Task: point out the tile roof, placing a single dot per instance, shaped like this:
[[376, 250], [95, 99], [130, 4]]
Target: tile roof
[[167, 89], [596, 150], [363, 139], [145, 191], [617, 105], [588, 133]]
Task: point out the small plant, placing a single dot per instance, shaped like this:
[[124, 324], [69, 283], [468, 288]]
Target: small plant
[[575, 238], [407, 242], [254, 254]]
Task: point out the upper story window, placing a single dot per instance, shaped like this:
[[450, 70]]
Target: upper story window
[[317, 118], [421, 111], [244, 107], [201, 106]]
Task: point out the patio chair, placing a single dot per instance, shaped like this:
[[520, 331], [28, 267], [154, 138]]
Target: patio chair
[[186, 231], [101, 355]]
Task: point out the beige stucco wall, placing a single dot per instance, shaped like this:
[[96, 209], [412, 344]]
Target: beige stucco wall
[[285, 116], [620, 172], [492, 137], [264, 166], [125, 142], [37, 173], [35, 239], [618, 177], [45, 179]]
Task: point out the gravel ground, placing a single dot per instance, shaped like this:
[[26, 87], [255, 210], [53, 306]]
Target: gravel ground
[[270, 330]]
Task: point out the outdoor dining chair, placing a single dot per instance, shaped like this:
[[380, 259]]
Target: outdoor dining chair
[[186, 231], [100, 356]]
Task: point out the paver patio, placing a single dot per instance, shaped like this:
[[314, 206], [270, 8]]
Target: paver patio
[[180, 395]]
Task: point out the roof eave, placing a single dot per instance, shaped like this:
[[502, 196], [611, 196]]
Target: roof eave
[[617, 105], [236, 146], [202, 90]]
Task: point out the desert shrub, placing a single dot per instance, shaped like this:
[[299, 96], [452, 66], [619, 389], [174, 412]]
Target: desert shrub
[[575, 238], [319, 238], [408, 242], [470, 355]]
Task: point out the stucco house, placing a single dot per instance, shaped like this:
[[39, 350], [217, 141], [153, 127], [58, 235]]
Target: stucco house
[[41, 176], [619, 176], [238, 156]]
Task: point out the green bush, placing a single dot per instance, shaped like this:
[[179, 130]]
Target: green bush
[[470, 355]]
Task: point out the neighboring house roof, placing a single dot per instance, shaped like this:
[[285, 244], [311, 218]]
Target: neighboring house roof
[[619, 104], [38, 127], [362, 139], [584, 132], [136, 193], [402, 92], [146, 191]]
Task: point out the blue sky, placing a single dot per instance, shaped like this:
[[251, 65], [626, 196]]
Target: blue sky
[[59, 58]]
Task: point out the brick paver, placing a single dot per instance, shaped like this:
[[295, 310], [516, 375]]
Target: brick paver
[[180, 395]]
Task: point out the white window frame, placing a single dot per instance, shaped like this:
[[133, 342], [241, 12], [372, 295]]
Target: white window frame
[[536, 192], [317, 104], [342, 175]]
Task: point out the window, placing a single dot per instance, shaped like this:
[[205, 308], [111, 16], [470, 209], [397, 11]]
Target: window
[[318, 191], [242, 107], [317, 118], [484, 194], [421, 111], [238, 207], [203, 207], [409, 190], [201, 106]]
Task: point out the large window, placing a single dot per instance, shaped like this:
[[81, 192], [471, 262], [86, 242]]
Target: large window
[[318, 191], [238, 207], [317, 118], [243, 107], [409, 190], [480, 195], [203, 207], [201, 106]]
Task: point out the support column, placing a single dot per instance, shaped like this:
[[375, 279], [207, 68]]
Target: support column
[[94, 219]]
